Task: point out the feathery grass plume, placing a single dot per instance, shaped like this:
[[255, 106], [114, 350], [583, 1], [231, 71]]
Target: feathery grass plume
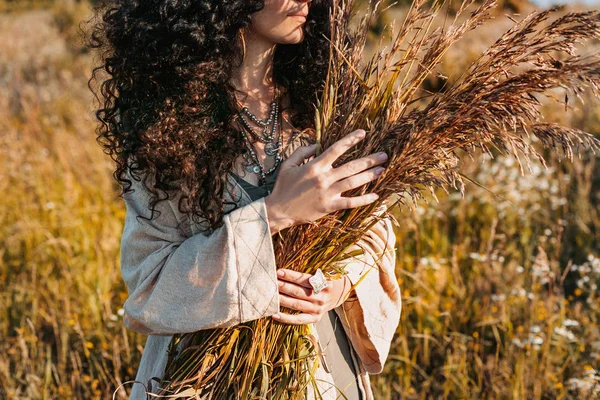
[[494, 104]]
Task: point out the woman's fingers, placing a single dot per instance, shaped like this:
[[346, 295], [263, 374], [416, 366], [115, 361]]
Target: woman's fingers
[[309, 312], [294, 290], [356, 166], [298, 319], [303, 306], [299, 155], [310, 306], [355, 201], [296, 277], [358, 180], [303, 191], [341, 146]]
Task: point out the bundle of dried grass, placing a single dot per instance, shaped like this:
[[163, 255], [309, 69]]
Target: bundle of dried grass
[[494, 104]]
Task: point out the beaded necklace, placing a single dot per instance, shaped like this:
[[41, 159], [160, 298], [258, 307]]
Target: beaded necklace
[[272, 144]]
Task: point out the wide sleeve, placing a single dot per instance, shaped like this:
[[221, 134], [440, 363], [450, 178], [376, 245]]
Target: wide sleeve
[[180, 284], [372, 313]]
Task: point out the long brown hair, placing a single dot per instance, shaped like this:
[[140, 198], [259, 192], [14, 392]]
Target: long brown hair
[[167, 106]]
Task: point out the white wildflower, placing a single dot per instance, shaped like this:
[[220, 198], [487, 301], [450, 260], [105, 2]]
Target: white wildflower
[[566, 333], [530, 296], [535, 329], [537, 340]]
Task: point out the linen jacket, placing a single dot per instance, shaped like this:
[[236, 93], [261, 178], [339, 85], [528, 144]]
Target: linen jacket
[[182, 279]]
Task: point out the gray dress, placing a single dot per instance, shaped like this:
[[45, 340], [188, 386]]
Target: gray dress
[[333, 339]]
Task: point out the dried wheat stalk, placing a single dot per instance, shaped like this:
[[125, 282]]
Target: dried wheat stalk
[[494, 104]]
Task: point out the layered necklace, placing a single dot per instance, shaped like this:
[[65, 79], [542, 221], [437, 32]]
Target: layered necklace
[[267, 135]]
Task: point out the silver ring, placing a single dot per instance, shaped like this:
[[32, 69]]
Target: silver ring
[[318, 281]]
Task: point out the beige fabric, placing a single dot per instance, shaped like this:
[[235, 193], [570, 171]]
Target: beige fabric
[[183, 280], [371, 317]]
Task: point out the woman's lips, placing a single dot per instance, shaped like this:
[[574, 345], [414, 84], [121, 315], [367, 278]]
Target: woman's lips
[[298, 17]]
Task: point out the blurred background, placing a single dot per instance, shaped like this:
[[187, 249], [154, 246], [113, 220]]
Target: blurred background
[[500, 295]]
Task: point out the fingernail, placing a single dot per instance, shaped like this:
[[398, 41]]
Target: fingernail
[[361, 133], [379, 170], [373, 196], [276, 316], [280, 273], [382, 156]]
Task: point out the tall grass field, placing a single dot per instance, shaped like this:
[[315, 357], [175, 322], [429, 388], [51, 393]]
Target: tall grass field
[[500, 288]]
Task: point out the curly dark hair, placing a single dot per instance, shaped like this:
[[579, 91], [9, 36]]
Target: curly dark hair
[[167, 105]]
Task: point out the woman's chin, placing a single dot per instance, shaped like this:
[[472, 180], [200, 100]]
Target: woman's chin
[[293, 38]]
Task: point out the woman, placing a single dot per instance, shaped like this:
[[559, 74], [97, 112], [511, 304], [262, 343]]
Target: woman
[[201, 113]]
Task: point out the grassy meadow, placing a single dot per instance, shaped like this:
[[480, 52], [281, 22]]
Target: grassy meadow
[[500, 295]]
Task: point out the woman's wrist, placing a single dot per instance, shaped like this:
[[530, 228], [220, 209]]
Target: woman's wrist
[[277, 221], [347, 290]]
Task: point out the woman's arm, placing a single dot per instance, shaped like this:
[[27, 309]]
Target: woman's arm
[[181, 284], [372, 313]]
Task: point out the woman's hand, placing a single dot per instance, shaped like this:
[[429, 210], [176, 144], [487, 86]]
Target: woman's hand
[[296, 293], [307, 192]]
